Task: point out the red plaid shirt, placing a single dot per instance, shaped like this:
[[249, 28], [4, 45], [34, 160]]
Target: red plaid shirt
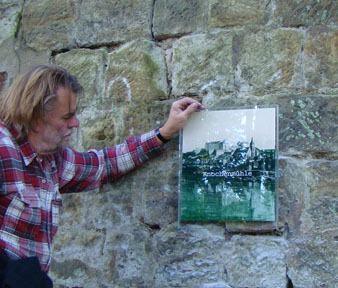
[[30, 187]]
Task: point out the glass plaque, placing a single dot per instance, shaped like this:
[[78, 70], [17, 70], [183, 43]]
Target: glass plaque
[[229, 165]]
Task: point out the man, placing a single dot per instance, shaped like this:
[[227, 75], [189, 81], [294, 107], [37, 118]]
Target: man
[[37, 116]]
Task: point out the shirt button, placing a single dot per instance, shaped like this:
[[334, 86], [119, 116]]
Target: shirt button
[[44, 181]]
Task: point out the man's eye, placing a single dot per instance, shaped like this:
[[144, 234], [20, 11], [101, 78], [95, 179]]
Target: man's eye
[[67, 117]]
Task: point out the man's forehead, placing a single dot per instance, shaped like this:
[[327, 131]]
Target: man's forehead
[[65, 94], [65, 101]]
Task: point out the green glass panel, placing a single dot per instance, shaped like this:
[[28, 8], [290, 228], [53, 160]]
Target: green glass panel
[[230, 172]]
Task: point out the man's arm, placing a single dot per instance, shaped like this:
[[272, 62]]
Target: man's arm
[[80, 171]]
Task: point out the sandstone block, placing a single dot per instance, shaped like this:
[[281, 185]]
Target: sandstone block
[[48, 25], [308, 123], [321, 60], [309, 205], [175, 18], [9, 18], [130, 258], [136, 79], [313, 263], [190, 256], [202, 61], [232, 13], [306, 12], [9, 64], [137, 72], [3, 79], [100, 131], [159, 196], [257, 262], [322, 183], [10, 13], [267, 61], [109, 22]]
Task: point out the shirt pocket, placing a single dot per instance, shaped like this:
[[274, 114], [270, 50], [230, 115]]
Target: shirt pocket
[[23, 214]]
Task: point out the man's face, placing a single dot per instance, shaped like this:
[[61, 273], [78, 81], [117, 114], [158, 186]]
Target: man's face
[[54, 131]]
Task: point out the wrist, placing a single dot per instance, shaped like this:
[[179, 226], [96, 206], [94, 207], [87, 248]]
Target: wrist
[[159, 134]]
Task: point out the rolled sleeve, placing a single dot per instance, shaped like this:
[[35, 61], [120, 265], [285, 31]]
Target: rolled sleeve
[[81, 171]]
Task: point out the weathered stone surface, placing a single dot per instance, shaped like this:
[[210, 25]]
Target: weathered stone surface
[[231, 13], [48, 24], [98, 132], [201, 61], [9, 18], [199, 254], [28, 57], [308, 124], [3, 79], [323, 183], [66, 24], [321, 60], [75, 255], [323, 199], [309, 205], [292, 195], [191, 256], [109, 22], [175, 18], [158, 192], [132, 259], [214, 285], [313, 263], [257, 262], [9, 23], [9, 64], [136, 76], [267, 61], [224, 61], [135, 72], [306, 12]]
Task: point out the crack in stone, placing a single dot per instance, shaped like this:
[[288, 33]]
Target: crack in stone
[[289, 284], [152, 21]]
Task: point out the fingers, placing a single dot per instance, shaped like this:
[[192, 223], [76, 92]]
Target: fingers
[[178, 116], [186, 102], [191, 109]]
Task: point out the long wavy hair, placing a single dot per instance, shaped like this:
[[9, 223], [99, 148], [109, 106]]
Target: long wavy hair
[[31, 95]]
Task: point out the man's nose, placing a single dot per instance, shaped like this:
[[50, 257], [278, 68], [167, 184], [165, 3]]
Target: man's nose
[[74, 122]]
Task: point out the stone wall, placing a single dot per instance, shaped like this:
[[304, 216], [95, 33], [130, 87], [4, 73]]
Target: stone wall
[[134, 58]]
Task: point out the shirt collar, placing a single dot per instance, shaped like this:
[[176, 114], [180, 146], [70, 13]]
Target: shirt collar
[[27, 152], [26, 148]]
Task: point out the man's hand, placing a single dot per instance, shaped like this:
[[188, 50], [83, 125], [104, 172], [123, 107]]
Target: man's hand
[[178, 116]]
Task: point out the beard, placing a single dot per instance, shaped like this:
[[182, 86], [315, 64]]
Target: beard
[[52, 143]]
